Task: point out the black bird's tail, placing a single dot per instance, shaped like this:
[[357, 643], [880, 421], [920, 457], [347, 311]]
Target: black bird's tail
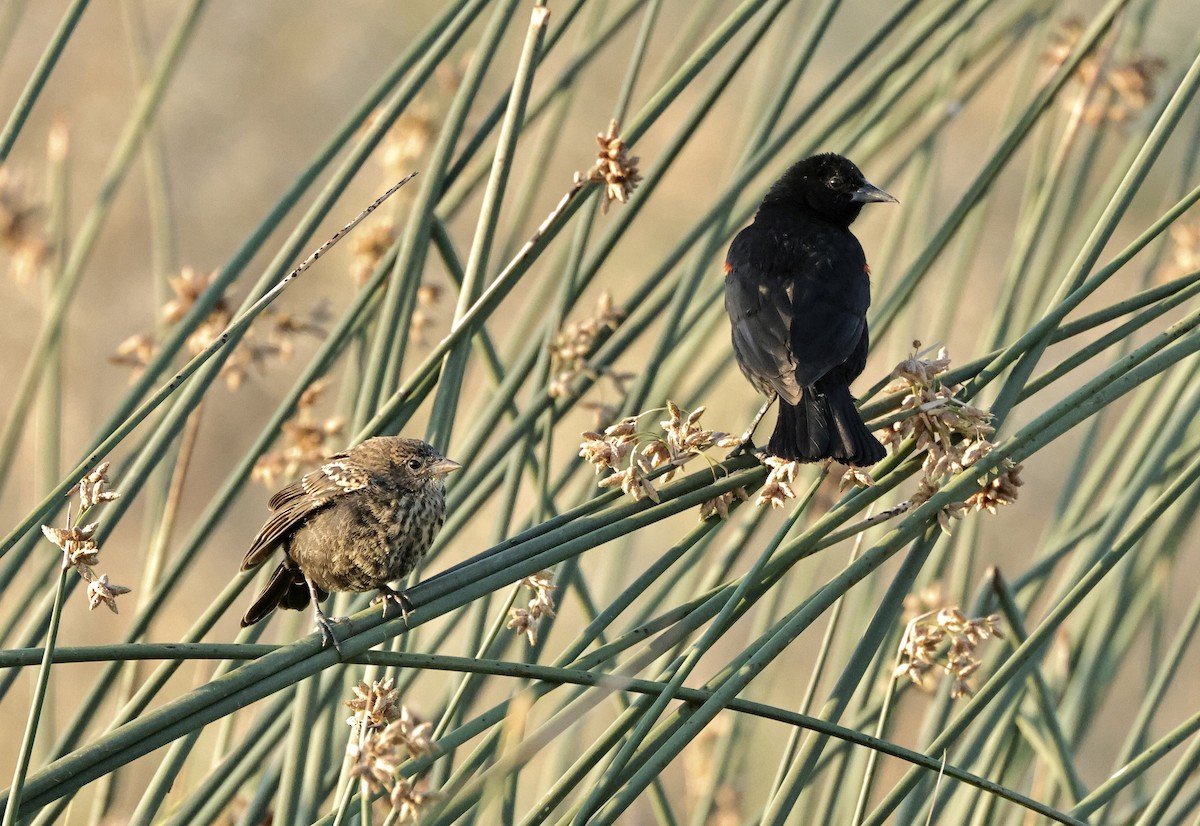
[[824, 425], [285, 589]]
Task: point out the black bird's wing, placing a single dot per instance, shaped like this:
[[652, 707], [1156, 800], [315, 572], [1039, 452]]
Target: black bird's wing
[[759, 305], [831, 294], [797, 297], [291, 506]]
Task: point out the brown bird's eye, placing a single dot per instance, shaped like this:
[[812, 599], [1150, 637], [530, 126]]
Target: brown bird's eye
[[414, 464]]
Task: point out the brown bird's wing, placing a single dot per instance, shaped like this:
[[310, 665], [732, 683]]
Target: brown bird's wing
[[291, 506]]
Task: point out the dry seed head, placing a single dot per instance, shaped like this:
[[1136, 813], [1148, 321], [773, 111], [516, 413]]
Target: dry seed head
[[721, 505], [1063, 40], [683, 440], [408, 139], [377, 753], [576, 342], [777, 488], [374, 704], [523, 622], [77, 544], [407, 800], [102, 592], [367, 247], [947, 640], [306, 441], [952, 433], [91, 488], [526, 620], [188, 286], [375, 764], [20, 235], [633, 482], [602, 452], [285, 327], [281, 330], [1123, 90], [855, 477], [542, 584], [999, 490], [406, 733], [615, 167], [135, 352], [1185, 251]]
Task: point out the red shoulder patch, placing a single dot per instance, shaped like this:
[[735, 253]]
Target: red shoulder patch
[[728, 268], [866, 268]]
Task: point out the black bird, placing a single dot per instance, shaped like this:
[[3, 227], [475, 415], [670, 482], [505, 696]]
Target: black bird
[[359, 521], [797, 288]]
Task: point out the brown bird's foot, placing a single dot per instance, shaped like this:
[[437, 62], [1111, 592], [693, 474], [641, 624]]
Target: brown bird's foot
[[388, 595]]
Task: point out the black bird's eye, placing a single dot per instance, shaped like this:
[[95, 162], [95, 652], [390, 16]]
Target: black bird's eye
[[834, 182], [415, 464]]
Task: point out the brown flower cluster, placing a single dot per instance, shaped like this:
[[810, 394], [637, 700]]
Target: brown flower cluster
[[1123, 89], [855, 477], [576, 342], [367, 248], [414, 131], [946, 640], [428, 297], [409, 139], [722, 503], [615, 167], [306, 441], [274, 339], [1185, 251], [78, 543], [385, 735], [633, 455], [952, 433], [777, 490], [526, 620], [20, 231]]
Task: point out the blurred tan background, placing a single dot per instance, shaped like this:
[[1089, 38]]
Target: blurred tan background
[[260, 90]]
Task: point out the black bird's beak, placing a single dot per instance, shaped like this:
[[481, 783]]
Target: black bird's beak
[[868, 194]]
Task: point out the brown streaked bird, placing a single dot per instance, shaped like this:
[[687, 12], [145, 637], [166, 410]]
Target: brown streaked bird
[[362, 519]]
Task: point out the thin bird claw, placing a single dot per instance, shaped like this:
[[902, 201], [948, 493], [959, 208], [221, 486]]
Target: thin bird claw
[[389, 595], [746, 446], [325, 626]]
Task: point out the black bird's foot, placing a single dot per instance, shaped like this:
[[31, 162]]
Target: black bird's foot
[[746, 443], [744, 446], [388, 595], [325, 625]]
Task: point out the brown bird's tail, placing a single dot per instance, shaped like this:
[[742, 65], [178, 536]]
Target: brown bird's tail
[[824, 426], [285, 589]]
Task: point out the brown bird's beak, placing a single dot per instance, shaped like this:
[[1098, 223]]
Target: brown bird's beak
[[868, 194], [444, 466]]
